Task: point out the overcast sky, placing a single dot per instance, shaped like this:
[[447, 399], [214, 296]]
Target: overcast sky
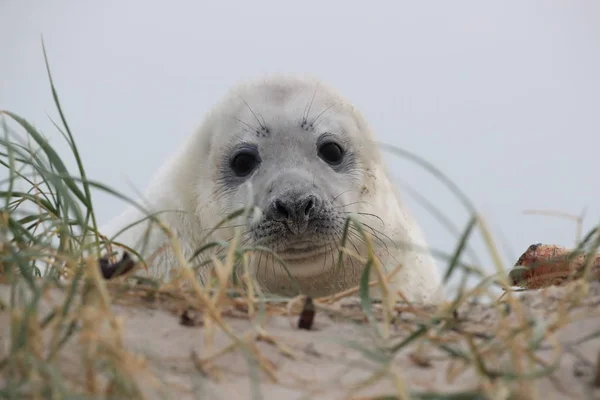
[[503, 96]]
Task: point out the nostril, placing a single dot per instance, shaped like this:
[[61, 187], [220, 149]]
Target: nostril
[[310, 204], [281, 209]]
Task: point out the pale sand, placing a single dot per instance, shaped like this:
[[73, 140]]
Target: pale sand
[[323, 368]]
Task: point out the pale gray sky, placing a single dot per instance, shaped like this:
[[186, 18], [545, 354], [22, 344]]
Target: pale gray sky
[[503, 96]]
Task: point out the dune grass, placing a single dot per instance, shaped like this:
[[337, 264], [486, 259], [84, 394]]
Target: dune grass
[[49, 240]]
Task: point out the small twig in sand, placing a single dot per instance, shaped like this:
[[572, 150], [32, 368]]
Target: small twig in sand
[[307, 315]]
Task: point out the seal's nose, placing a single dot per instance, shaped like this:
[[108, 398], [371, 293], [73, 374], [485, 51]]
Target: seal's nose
[[295, 210]]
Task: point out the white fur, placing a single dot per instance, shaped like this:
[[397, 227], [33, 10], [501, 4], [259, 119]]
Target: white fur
[[187, 182]]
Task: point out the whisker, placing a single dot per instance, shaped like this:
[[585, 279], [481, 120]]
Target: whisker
[[377, 239], [376, 255], [307, 110], [252, 128], [376, 233], [223, 227], [314, 121], [325, 259], [353, 245], [351, 204], [272, 258], [366, 214], [336, 197], [261, 124]]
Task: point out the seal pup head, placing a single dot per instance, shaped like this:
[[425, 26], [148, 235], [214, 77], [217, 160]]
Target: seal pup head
[[302, 154], [298, 152]]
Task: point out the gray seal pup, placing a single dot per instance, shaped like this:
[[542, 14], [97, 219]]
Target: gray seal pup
[[306, 159]]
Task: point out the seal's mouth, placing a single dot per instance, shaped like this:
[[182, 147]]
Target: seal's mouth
[[303, 250]]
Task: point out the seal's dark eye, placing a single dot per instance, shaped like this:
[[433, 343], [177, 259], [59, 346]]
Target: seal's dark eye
[[331, 152], [244, 163]]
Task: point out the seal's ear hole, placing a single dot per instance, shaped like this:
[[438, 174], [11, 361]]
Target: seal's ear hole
[[331, 153], [244, 162]]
